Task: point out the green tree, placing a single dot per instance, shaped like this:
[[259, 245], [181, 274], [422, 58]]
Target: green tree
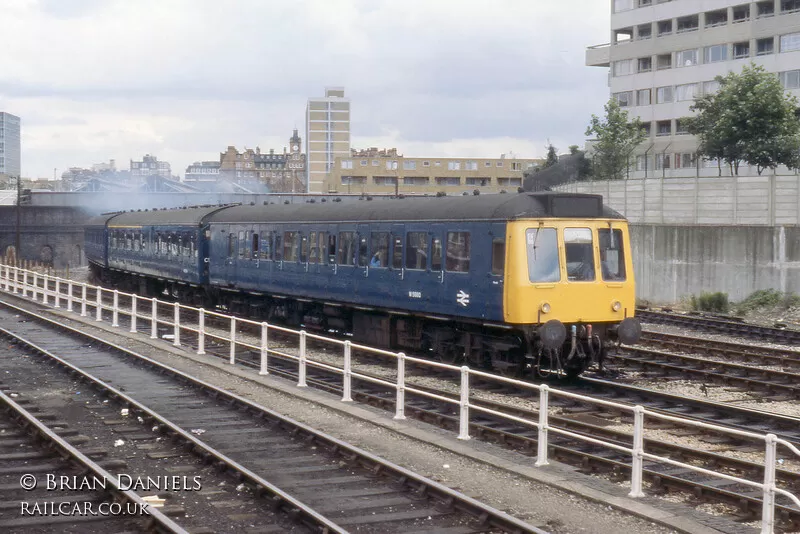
[[615, 140], [552, 155], [574, 149], [749, 119]]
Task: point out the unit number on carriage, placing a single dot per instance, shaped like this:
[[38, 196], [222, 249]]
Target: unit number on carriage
[[415, 294]]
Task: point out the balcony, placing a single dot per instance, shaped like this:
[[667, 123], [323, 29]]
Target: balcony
[[598, 56]]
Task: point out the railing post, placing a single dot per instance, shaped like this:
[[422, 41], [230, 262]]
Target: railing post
[[176, 334], [463, 424], [115, 310], [264, 349], [134, 310], [400, 408], [201, 332], [57, 297], [232, 359], [638, 449], [301, 374], [7, 277], [154, 320], [25, 283], [16, 280], [98, 303], [45, 288], [70, 299], [348, 373], [768, 500], [83, 299], [35, 286], [541, 440]]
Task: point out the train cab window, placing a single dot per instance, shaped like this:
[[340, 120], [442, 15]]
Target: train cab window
[[266, 246], [612, 257], [231, 245], [241, 243], [457, 252], [498, 256], [290, 242], [416, 250], [347, 248], [379, 243], [363, 251], [255, 247], [304, 249], [542, 248], [580, 254], [332, 249], [313, 253], [436, 254], [397, 252]]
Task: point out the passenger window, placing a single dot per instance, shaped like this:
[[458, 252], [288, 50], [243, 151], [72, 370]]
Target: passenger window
[[278, 247], [363, 251], [436, 254], [331, 248], [241, 244], [498, 256], [290, 242], [612, 257], [457, 252], [266, 246], [313, 256], [397, 252], [580, 254], [542, 245], [231, 245], [379, 243], [304, 249], [347, 245], [416, 250], [247, 242], [256, 245]]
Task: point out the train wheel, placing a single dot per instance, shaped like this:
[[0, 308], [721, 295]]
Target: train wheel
[[450, 355]]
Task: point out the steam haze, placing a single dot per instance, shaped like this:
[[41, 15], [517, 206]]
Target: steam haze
[[183, 79]]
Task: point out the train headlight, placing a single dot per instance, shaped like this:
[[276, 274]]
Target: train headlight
[[545, 307], [616, 305]]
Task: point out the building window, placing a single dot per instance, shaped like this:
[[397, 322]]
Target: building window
[[384, 180], [790, 79], [664, 61], [686, 58], [416, 180], [741, 50], [479, 182], [688, 24], [516, 166], [645, 3], [766, 8], [363, 163], [790, 42], [645, 31], [426, 163], [664, 27], [709, 88], [487, 163], [790, 6], [409, 165], [499, 164], [664, 95], [375, 163], [641, 163], [354, 180], [471, 166], [448, 180], [684, 161], [623, 67], [663, 161], [680, 127], [716, 18], [622, 5], [624, 99], [453, 165], [347, 164], [646, 128], [765, 46], [644, 64], [663, 128], [391, 165], [741, 13], [712, 54], [686, 92], [509, 182]]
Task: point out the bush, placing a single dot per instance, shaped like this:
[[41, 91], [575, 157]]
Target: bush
[[711, 302], [768, 298]]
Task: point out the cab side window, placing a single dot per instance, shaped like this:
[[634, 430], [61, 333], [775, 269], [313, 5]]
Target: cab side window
[[498, 256]]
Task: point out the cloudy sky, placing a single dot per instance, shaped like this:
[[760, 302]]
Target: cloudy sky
[[183, 79]]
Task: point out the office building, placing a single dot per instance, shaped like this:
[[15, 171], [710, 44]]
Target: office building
[[10, 151], [327, 135], [150, 166], [664, 53]]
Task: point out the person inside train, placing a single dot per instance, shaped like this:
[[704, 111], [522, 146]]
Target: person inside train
[[377, 260]]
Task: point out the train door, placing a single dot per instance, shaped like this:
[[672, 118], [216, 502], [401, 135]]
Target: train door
[[363, 259], [416, 269], [347, 270], [381, 279], [436, 274], [458, 293], [231, 254]]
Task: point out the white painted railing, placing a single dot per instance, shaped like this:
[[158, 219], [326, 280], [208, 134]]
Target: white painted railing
[[33, 285]]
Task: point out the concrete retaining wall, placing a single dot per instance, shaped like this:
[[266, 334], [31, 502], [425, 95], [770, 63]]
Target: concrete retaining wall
[[749, 200], [674, 261], [53, 235]]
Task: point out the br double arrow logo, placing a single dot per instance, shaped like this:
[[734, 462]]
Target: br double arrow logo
[[462, 298]]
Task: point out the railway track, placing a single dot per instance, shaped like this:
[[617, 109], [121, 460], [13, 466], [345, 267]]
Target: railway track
[[720, 325], [319, 480], [32, 449]]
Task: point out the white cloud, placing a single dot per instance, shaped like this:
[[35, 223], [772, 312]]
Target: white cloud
[[183, 79]]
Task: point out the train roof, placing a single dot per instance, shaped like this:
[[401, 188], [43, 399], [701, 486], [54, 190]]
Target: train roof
[[491, 207], [177, 216]]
